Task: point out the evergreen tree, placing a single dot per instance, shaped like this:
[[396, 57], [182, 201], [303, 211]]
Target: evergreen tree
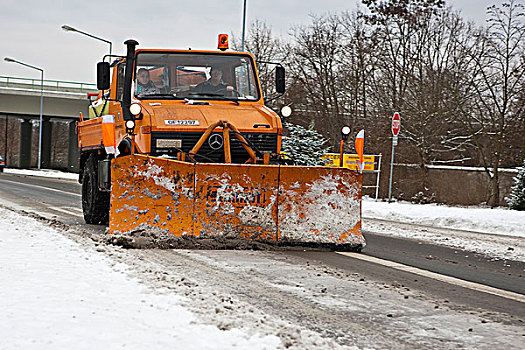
[[516, 200], [304, 146]]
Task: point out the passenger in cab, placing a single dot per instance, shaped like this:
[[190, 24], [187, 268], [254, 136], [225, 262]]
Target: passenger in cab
[[144, 84], [214, 85]]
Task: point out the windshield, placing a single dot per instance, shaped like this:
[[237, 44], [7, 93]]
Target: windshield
[[181, 75]]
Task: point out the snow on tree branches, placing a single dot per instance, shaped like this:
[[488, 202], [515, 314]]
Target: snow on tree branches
[[516, 200], [304, 146]]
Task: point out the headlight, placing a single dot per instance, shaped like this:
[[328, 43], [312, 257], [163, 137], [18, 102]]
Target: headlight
[[286, 111], [130, 124], [135, 109]]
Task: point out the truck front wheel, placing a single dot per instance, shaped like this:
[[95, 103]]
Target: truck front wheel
[[95, 203]]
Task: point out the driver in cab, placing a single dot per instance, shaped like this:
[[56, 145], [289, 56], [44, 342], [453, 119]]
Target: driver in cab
[[214, 85], [144, 84]]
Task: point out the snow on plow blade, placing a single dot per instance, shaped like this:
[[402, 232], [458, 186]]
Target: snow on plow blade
[[272, 203]]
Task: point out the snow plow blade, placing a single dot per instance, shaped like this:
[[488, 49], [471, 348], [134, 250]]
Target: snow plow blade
[[271, 203]]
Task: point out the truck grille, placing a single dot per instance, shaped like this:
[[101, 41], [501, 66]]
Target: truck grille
[[262, 142]]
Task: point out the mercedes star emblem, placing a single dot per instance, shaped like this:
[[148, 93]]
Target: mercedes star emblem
[[215, 141]]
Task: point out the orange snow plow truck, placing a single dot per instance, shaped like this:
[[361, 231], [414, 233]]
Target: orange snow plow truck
[[181, 141]]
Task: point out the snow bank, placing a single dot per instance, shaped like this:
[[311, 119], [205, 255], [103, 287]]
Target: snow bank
[[55, 294], [43, 173], [499, 221]]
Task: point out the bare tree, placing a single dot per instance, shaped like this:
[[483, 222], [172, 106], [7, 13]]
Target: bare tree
[[415, 65], [358, 64], [430, 101], [316, 87], [266, 48], [496, 108], [459, 89]]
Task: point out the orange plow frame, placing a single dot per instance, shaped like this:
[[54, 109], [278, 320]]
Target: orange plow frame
[[272, 203]]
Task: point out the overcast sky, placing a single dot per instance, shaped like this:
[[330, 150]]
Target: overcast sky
[[30, 29]]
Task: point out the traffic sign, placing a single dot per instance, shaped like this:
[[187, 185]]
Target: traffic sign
[[396, 124], [360, 148]]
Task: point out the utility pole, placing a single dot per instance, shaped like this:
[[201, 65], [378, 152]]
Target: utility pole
[[12, 60], [5, 146], [243, 24]]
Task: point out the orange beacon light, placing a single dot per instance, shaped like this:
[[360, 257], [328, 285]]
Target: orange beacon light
[[223, 42]]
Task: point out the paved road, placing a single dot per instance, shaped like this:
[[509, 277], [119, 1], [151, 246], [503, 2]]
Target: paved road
[[60, 199]]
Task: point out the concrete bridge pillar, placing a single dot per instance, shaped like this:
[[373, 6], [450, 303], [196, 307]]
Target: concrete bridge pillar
[[24, 146], [73, 154], [46, 143]]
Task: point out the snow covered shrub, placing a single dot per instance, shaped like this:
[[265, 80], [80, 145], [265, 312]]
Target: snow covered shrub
[[421, 198], [516, 200], [304, 146]]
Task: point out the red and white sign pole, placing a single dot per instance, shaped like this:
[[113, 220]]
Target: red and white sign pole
[[396, 126], [360, 149]]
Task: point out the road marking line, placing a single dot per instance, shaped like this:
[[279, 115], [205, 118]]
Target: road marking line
[[66, 211], [439, 277], [46, 188], [78, 210]]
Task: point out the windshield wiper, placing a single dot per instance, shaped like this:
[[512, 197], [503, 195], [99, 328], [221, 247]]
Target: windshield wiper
[[234, 100], [155, 95], [211, 94], [205, 94]]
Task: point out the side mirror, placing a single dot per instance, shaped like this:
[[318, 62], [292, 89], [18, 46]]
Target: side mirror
[[103, 75], [279, 79]]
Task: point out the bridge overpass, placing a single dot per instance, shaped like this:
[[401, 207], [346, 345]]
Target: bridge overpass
[[20, 121]]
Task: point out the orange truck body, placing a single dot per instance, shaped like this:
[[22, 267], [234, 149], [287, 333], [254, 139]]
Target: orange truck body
[[175, 191], [157, 112]]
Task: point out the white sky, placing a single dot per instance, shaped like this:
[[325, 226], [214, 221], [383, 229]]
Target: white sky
[[31, 28]]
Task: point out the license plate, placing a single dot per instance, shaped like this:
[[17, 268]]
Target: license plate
[[181, 122], [169, 143]]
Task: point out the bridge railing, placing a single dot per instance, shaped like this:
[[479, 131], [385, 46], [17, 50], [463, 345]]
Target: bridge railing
[[49, 85]]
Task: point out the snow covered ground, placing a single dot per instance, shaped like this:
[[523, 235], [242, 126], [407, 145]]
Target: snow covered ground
[[55, 294], [498, 233], [497, 221], [60, 293]]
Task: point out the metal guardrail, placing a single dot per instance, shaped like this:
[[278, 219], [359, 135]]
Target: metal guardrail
[[49, 85]]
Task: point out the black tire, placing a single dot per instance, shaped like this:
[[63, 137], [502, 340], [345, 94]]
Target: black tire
[[95, 203]]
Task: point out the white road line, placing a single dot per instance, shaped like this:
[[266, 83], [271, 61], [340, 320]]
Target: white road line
[[46, 188], [439, 277], [68, 211], [78, 210]]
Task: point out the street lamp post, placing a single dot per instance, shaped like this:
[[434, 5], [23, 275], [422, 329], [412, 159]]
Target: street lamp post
[[8, 59], [243, 24], [345, 131], [71, 29]]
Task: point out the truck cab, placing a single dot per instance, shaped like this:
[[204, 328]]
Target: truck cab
[[170, 98], [180, 101]]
